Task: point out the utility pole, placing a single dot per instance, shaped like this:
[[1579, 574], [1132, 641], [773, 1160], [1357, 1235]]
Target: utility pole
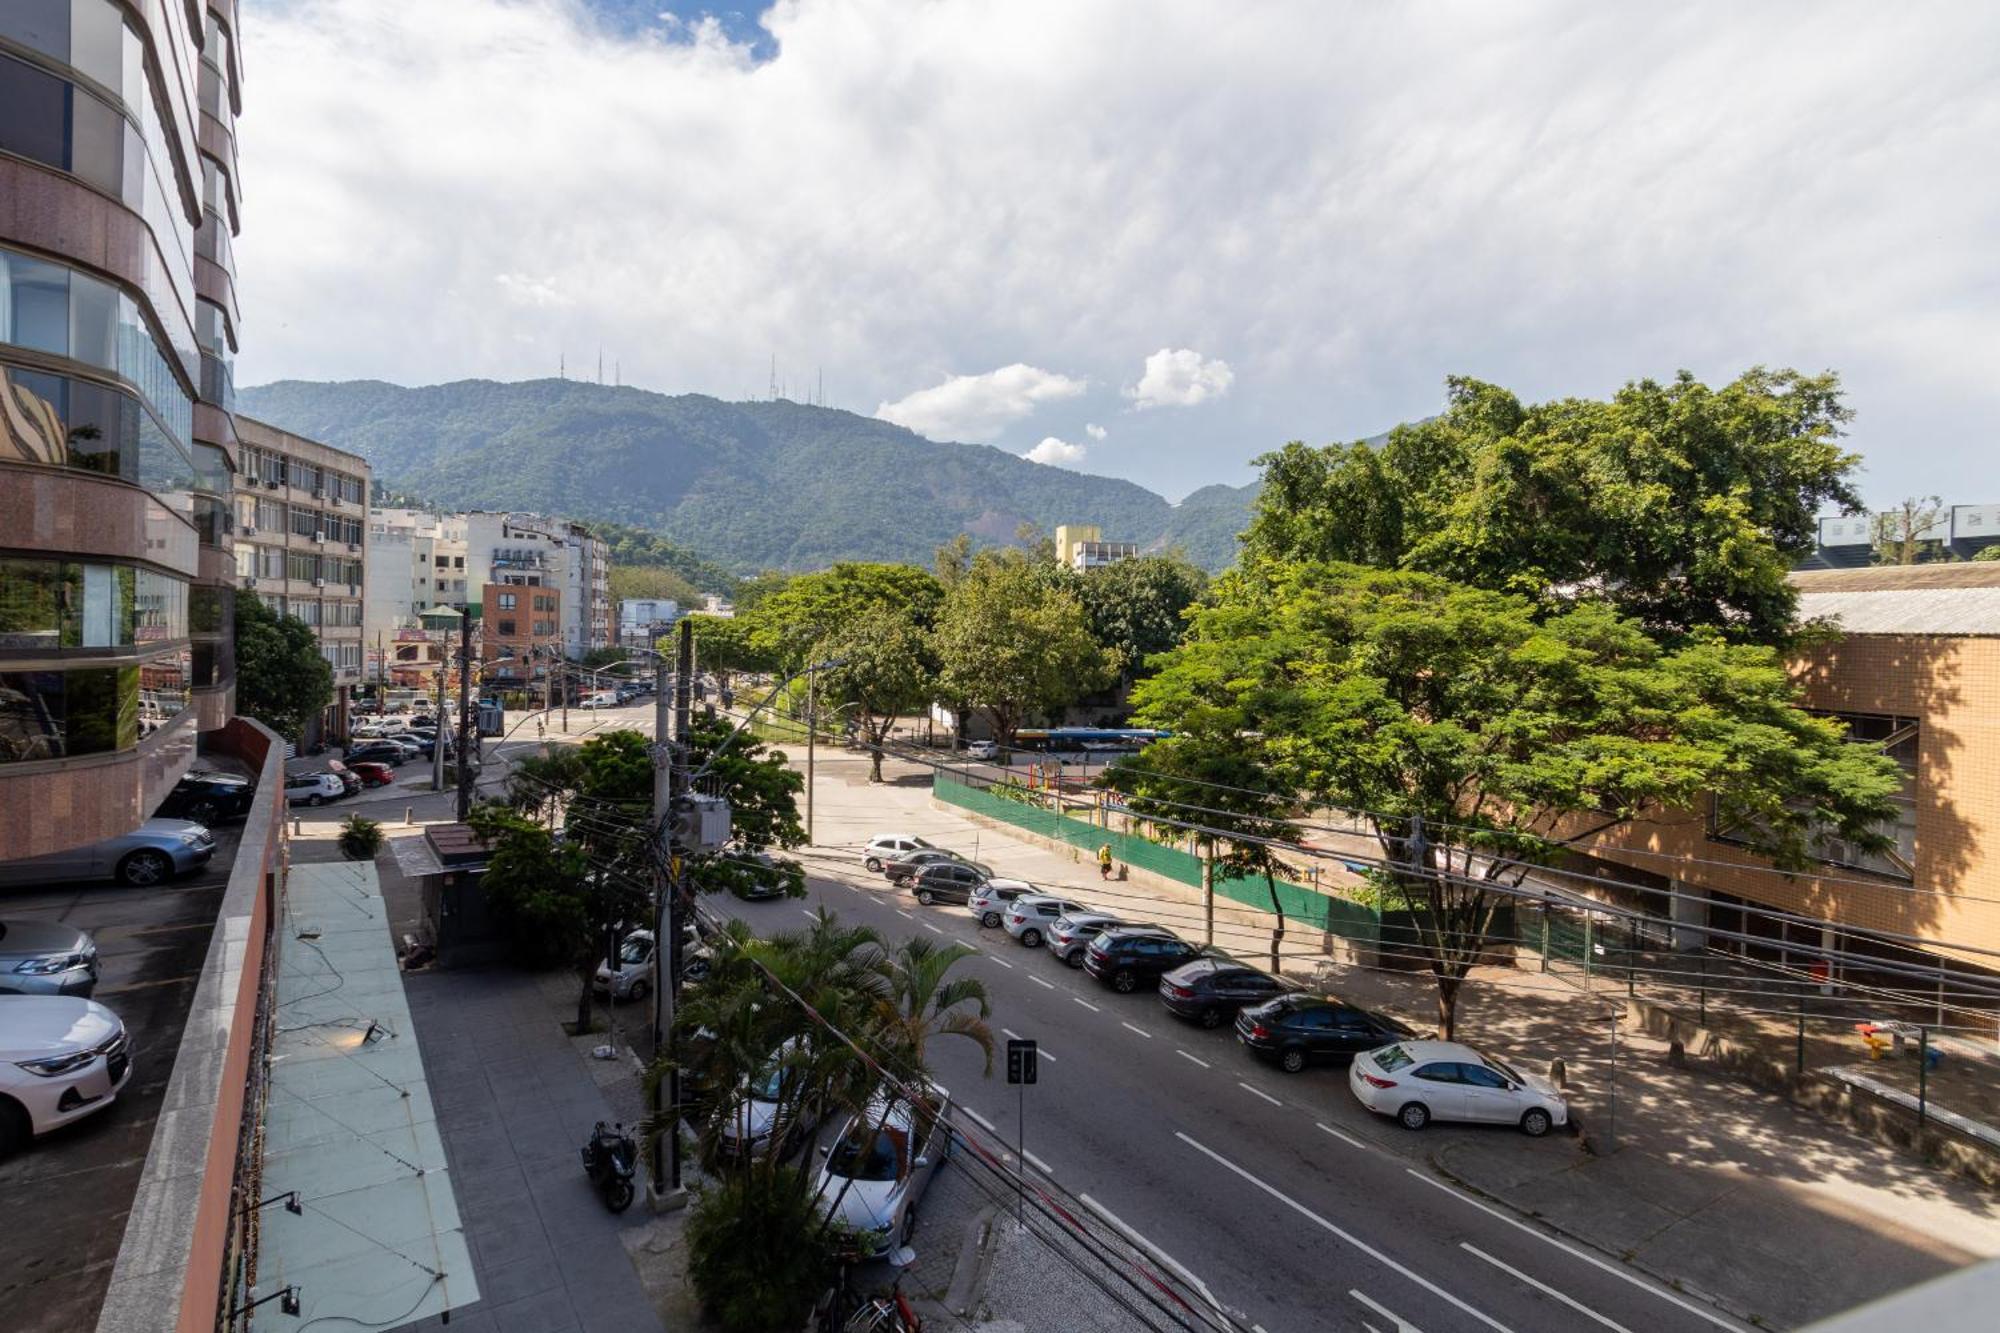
[[812, 741], [670, 782], [468, 744], [437, 751]]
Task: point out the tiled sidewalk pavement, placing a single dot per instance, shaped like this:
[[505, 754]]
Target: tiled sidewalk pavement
[[515, 1104]]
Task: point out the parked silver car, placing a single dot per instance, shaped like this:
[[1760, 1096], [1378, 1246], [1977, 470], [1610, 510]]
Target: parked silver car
[[151, 854], [46, 958], [879, 1167]]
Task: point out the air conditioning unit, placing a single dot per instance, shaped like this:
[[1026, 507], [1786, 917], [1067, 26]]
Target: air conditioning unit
[[272, 485], [249, 580], [354, 546], [319, 583], [320, 538], [249, 529]]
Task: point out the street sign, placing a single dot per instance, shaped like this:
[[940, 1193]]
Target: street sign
[[1021, 1061]]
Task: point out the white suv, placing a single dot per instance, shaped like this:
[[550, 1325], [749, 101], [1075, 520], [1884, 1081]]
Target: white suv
[[1031, 916], [890, 846], [61, 1058]]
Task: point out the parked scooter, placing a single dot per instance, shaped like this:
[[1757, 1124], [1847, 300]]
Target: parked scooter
[[609, 1159]]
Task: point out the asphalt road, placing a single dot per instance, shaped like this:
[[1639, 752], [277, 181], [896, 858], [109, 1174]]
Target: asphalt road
[[1294, 1205], [67, 1196]]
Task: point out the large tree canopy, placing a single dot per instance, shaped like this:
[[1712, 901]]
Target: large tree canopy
[[810, 609], [1014, 643], [1134, 606], [884, 673], [281, 679], [1686, 506], [1478, 734]]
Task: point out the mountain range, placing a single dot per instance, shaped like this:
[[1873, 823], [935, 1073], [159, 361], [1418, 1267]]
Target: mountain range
[[750, 485]]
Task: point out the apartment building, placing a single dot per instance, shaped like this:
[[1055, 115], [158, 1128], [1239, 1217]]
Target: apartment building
[[521, 635], [1081, 546], [118, 333], [533, 550], [416, 561], [302, 533], [1915, 668], [1946, 531], [642, 620]]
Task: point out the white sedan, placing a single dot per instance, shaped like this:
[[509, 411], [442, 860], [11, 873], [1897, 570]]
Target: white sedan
[[1031, 916], [61, 1058], [880, 1166], [1421, 1081]]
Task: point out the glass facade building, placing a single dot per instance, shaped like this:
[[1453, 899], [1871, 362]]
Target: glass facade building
[[119, 204]]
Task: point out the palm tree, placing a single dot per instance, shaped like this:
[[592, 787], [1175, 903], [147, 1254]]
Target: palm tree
[[921, 1003]]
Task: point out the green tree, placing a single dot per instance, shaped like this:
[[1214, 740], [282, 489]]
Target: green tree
[[1012, 643], [281, 679], [1479, 736], [726, 646], [1903, 535], [922, 1001], [884, 672], [653, 581], [1988, 553], [763, 794], [1687, 506], [1134, 607], [794, 623]]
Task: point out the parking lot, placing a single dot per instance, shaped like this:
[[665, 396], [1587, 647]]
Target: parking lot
[[67, 1196]]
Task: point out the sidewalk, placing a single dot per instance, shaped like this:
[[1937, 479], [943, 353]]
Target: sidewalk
[[1701, 1181]]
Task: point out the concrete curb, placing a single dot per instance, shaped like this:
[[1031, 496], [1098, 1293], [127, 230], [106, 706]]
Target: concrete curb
[[1675, 1284], [975, 1259]]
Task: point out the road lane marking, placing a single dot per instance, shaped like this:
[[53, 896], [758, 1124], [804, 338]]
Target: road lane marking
[[1401, 1324], [1002, 961], [991, 1128], [932, 929], [809, 915], [1141, 1031], [1168, 1261], [1197, 1059], [1044, 1168], [1588, 1258], [1087, 1004], [1258, 1092], [1345, 1235], [1348, 1139], [1045, 985], [905, 915], [1538, 1285]]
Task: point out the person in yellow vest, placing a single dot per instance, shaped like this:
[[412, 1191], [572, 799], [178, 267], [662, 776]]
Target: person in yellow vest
[[1104, 861]]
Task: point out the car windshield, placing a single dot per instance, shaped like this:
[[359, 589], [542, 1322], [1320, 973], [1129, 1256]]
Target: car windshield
[[636, 951], [1501, 1067], [767, 1085], [1392, 1058], [859, 1158]]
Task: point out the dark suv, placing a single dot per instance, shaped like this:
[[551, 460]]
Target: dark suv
[[1123, 959], [1209, 990], [209, 798], [1297, 1030], [945, 882], [377, 752]]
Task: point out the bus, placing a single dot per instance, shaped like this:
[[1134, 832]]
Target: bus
[[1086, 740]]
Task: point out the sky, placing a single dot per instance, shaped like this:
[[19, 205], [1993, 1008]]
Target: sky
[[1144, 238]]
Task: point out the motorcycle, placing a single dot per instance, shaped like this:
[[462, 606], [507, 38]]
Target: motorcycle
[[610, 1159]]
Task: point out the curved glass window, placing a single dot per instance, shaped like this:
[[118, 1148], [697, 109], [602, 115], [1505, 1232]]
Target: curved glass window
[[60, 714], [49, 307], [50, 605], [74, 423]]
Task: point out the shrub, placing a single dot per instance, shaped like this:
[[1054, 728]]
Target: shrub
[[360, 838], [759, 1255]]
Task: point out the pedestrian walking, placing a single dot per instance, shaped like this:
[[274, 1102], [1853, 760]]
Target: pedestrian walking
[[1104, 861]]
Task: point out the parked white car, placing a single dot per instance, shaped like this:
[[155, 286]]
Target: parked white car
[[879, 1167], [313, 789], [632, 979], [988, 903], [1421, 1081], [61, 1058], [981, 750], [1031, 916], [758, 1125], [1070, 934], [886, 847]]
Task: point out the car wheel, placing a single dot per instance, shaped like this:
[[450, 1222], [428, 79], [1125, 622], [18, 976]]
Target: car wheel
[[1032, 938], [1211, 1018], [909, 1223], [1291, 1059], [1536, 1122], [1415, 1115], [1074, 958], [142, 869], [1124, 982], [989, 919], [15, 1131], [874, 864], [204, 812], [926, 897], [640, 990]]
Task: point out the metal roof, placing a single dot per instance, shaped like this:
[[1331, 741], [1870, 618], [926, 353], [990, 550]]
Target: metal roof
[[1955, 599]]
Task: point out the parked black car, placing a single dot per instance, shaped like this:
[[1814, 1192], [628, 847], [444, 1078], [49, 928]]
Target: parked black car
[[1209, 990], [945, 882], [904, 868], [209, 798], [1297, 1030], [377, 752], [1127, 958]]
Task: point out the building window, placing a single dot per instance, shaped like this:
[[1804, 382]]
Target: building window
[[1898, 738], [505, 600], [506, 629]]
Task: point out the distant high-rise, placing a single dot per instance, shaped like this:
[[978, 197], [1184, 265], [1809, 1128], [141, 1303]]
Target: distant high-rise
[[118, 319]]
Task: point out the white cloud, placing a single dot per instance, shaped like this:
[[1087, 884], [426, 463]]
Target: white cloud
[[1095, 432], [1348, 200], [1180, 378], [1056, 453], [979, 407]]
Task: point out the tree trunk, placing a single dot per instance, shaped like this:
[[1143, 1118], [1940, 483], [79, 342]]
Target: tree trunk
[[588, 973], [1448, 1004], [1278, 934], [877, 735]]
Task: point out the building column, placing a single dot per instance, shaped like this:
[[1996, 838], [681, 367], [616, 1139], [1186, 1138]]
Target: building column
[[1689, 912]]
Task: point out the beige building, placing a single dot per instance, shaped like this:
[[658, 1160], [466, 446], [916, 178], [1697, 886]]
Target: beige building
[[1916, 667], [1081, 546], [416, 561], [302, 546]]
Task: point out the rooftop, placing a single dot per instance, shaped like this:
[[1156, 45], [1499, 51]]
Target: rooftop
[[1941, 598]]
